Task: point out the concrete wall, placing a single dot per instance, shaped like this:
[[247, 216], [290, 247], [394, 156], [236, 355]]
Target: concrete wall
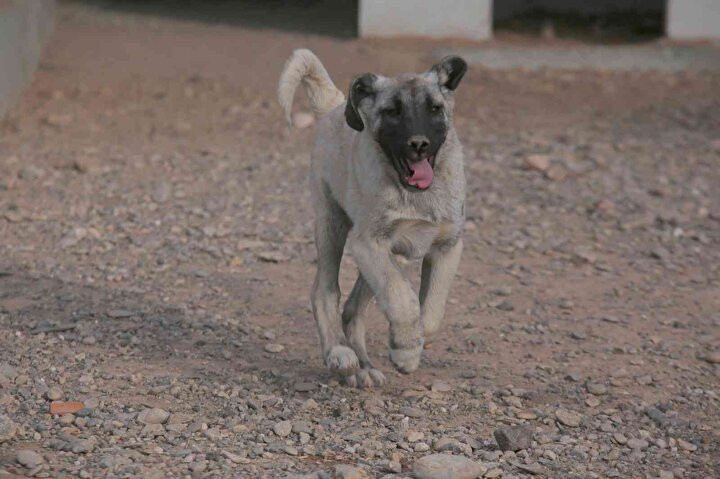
[[693, 19], [25, 25], [428, 18], [473, 19]]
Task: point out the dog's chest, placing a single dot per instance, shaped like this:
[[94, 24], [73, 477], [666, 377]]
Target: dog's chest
[[413, 239], [427, 221]]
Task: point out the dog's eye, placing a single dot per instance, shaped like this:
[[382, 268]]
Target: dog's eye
[[435, 109]]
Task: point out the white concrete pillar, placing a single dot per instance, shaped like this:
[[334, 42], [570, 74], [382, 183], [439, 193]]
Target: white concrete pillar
[[470, 19], [24, 29], [693, 19]]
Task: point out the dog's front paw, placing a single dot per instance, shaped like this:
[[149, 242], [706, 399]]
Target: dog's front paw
[[430, 338], [342, 359], [406, 360], [365, 378]]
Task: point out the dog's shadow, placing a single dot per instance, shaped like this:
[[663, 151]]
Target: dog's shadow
[[124, 330]]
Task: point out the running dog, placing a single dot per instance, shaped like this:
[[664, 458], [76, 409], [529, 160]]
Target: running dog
[[387, 177]]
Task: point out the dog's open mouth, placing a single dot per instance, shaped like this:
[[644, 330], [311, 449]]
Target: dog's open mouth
[[421, 174]]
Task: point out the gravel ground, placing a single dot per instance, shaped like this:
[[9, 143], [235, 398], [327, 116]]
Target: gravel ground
[[156, 250]]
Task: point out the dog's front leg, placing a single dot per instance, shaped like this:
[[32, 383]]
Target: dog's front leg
[[395, 297], [438, 270]]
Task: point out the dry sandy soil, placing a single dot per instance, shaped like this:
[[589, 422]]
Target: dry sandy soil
[[156, 252]]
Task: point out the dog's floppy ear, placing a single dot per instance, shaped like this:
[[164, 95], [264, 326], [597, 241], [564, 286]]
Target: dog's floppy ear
[[361, 87], [450, 71]]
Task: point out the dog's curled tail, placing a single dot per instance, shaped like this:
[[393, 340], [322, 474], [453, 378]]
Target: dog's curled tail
[[303, 66]]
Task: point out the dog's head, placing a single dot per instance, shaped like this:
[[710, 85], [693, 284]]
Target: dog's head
[[408, 116]]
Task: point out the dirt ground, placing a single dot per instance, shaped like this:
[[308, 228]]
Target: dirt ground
[[156, 252]]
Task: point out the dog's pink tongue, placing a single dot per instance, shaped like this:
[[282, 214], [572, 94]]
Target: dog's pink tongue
[[422, 175]]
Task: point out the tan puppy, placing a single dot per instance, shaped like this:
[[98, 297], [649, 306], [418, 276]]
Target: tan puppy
[[387, 176]]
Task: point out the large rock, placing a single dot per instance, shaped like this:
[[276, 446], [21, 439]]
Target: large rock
[[514, 438], [537, 162], [447, 466], [153, 416], [448, 444], [29, 458], [7, 371], [283, 428], [568, 418], [54, 394], [343, 471], [712, 357], [638, 444], [83, 446], [7, 429]]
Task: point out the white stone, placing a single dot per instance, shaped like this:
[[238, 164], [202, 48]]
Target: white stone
[[29, 458], [447, 466]]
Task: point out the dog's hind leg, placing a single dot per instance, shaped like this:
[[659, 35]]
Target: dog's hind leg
[[353, 321], [331, 228], [354, 326], [438, 270]]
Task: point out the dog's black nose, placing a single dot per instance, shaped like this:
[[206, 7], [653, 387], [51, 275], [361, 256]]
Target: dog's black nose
[[418, 143]]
